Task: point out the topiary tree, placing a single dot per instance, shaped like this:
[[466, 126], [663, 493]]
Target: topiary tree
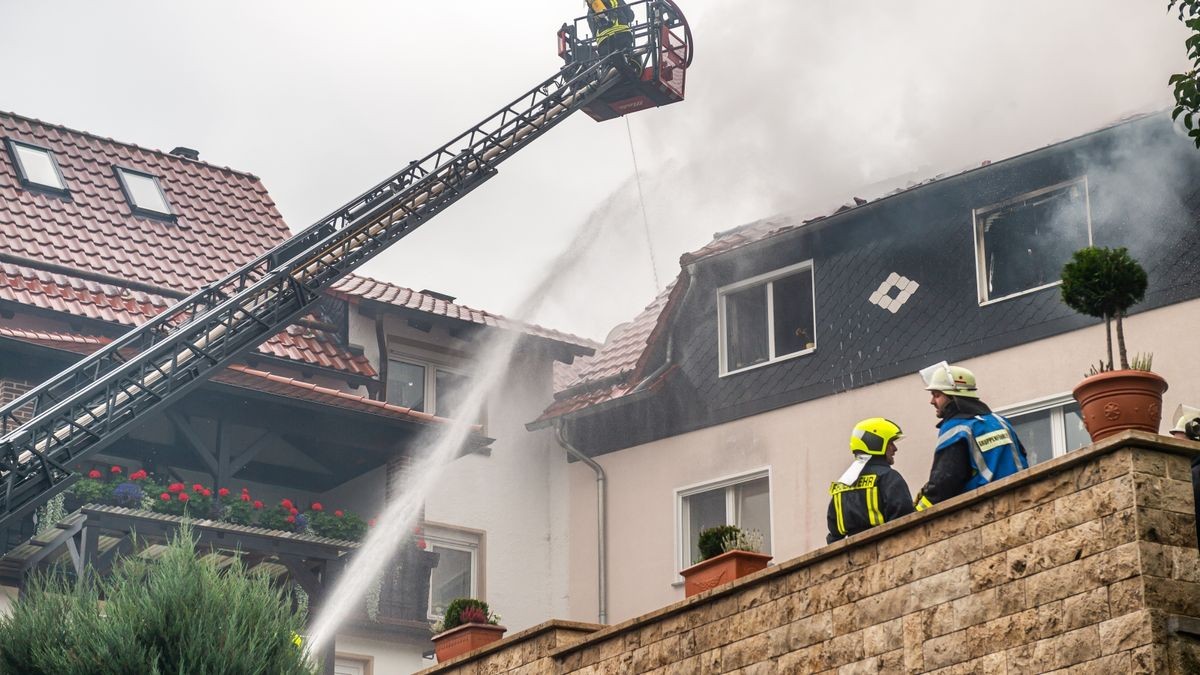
[[1104, 283], [178, 613]]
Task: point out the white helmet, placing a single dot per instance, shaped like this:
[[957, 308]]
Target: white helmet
[[1183, 415], [950, 380]]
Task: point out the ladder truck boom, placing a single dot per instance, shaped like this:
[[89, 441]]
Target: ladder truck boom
[[96, 401]]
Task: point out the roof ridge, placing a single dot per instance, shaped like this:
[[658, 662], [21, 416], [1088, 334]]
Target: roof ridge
[[109, 139]]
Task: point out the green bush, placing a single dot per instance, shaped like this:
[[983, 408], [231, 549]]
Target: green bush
[[1104, 283], [178, 613], [346, 526], [712, 540], [474, 609]]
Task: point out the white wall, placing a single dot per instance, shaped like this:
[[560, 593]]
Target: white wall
[[806, 447], [388, 658]]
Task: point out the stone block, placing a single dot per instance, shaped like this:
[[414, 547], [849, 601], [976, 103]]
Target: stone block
[[810, 631], [1163, 493], [1119, 528], [946, 650], [1126, 632], [1178, 467], [868, 666], [883, 637], [994, 537], [902, 542], [914, 642], [1077, 646], [1085, 609], [1045, 490], [1033, 657], [1148, 462], [989, 572], [845, 619], [1173, 595], [1166, 527], [1115, 663], [1003, 633], [939, 588], [1149, 660], [1185, 563], [1126, 596], [1032, 524], [1050, 619], [946, 554], [743, 652], [1062, 581]]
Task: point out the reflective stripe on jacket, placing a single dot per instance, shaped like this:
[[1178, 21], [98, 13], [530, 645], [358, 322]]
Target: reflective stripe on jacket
[[992, 446], [607, 18], [878, 496]]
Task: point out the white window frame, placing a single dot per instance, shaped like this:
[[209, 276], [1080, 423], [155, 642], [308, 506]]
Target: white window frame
[[682, 525], [459, 539], [431, 379], [981, 258], [1058, 418], [763, 279]]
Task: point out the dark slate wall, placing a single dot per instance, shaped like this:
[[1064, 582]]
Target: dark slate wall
[[1142, 185]]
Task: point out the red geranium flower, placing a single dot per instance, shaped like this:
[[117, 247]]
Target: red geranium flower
[[291, 519], [371, 523], [183, 496], [115, 469], [339, 513], [94, 473], [294, 511], [286, 503], [166, 496], [138, 475], [417, 530], [206, 492], [245, 496], [196, 487], [223, 492], [258, 504], [175, 487], [421, 544], [316, 506]]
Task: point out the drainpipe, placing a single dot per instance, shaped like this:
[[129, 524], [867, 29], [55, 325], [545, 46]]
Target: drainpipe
[[601, 521]]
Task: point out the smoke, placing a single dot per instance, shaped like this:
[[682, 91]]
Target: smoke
[[797, 107]]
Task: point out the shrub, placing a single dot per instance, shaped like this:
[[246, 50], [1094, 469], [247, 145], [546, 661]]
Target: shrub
[[462, 611], [711, 541], [1104, 283], [178, 613], [346, 526]]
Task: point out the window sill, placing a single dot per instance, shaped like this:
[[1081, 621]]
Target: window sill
[[772, 362]]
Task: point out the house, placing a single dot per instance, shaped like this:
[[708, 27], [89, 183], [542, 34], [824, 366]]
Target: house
[[100, 235], [730, 399]]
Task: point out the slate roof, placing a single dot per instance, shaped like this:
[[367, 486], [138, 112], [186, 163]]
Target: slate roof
[[240, 376], [354, 289], [613, 372]]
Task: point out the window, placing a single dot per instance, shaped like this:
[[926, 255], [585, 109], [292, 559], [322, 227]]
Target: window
[[426, 387], [143, 192], [1048, 428], [768, 318], [36, 166], [457, 572], [353, 664], [743, 500], [1021, 245]]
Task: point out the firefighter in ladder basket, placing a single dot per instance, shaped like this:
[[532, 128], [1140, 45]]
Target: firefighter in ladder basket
[[610, 22]]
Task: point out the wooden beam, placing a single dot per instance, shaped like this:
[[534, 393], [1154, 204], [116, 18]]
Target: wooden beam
[[193, 439], [245, 456]]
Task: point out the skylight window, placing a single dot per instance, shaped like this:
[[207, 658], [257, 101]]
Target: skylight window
[[143, 192], [36, 166]]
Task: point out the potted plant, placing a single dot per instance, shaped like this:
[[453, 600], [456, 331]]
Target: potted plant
[[727, 552], [1105, 283], [467, 625]]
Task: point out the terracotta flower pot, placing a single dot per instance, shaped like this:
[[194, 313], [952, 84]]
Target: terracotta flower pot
[[465, 638], [1121, 399], [721, 570]]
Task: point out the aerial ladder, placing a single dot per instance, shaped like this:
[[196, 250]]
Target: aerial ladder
[[95, 402]]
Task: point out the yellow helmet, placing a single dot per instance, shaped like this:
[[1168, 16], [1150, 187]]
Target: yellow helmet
[[950, 380], [873, 435]]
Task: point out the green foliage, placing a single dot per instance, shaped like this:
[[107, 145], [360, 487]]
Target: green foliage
[[1102, 282], [1186, 86], [346, 526], [474, 609], [238, 512], [93, 491], [176, 614], [712, 540], [276, 518]]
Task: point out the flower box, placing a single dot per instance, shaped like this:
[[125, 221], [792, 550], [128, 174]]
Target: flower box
[[721, 569], [465, 638]]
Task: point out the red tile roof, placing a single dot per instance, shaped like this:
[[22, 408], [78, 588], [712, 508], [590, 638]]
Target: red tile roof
[[354, 289], [239, 376], [224, 217]]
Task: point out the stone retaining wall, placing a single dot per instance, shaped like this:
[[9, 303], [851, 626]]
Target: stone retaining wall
[[1087, 563]]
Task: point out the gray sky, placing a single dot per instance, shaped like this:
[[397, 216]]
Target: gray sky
[[792, 105]]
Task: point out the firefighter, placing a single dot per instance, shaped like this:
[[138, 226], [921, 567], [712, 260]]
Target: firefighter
[[870, 492], [975, 446], [610, 22], [1187, 427]]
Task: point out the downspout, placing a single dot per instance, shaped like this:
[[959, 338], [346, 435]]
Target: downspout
[[381, 391], [601, 520]]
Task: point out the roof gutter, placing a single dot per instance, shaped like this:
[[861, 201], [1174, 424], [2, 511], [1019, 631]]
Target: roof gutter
[[601, 519]]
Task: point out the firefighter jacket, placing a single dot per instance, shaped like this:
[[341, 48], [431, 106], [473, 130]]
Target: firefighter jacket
[[879, 495], [975, 447], [607, 18]]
